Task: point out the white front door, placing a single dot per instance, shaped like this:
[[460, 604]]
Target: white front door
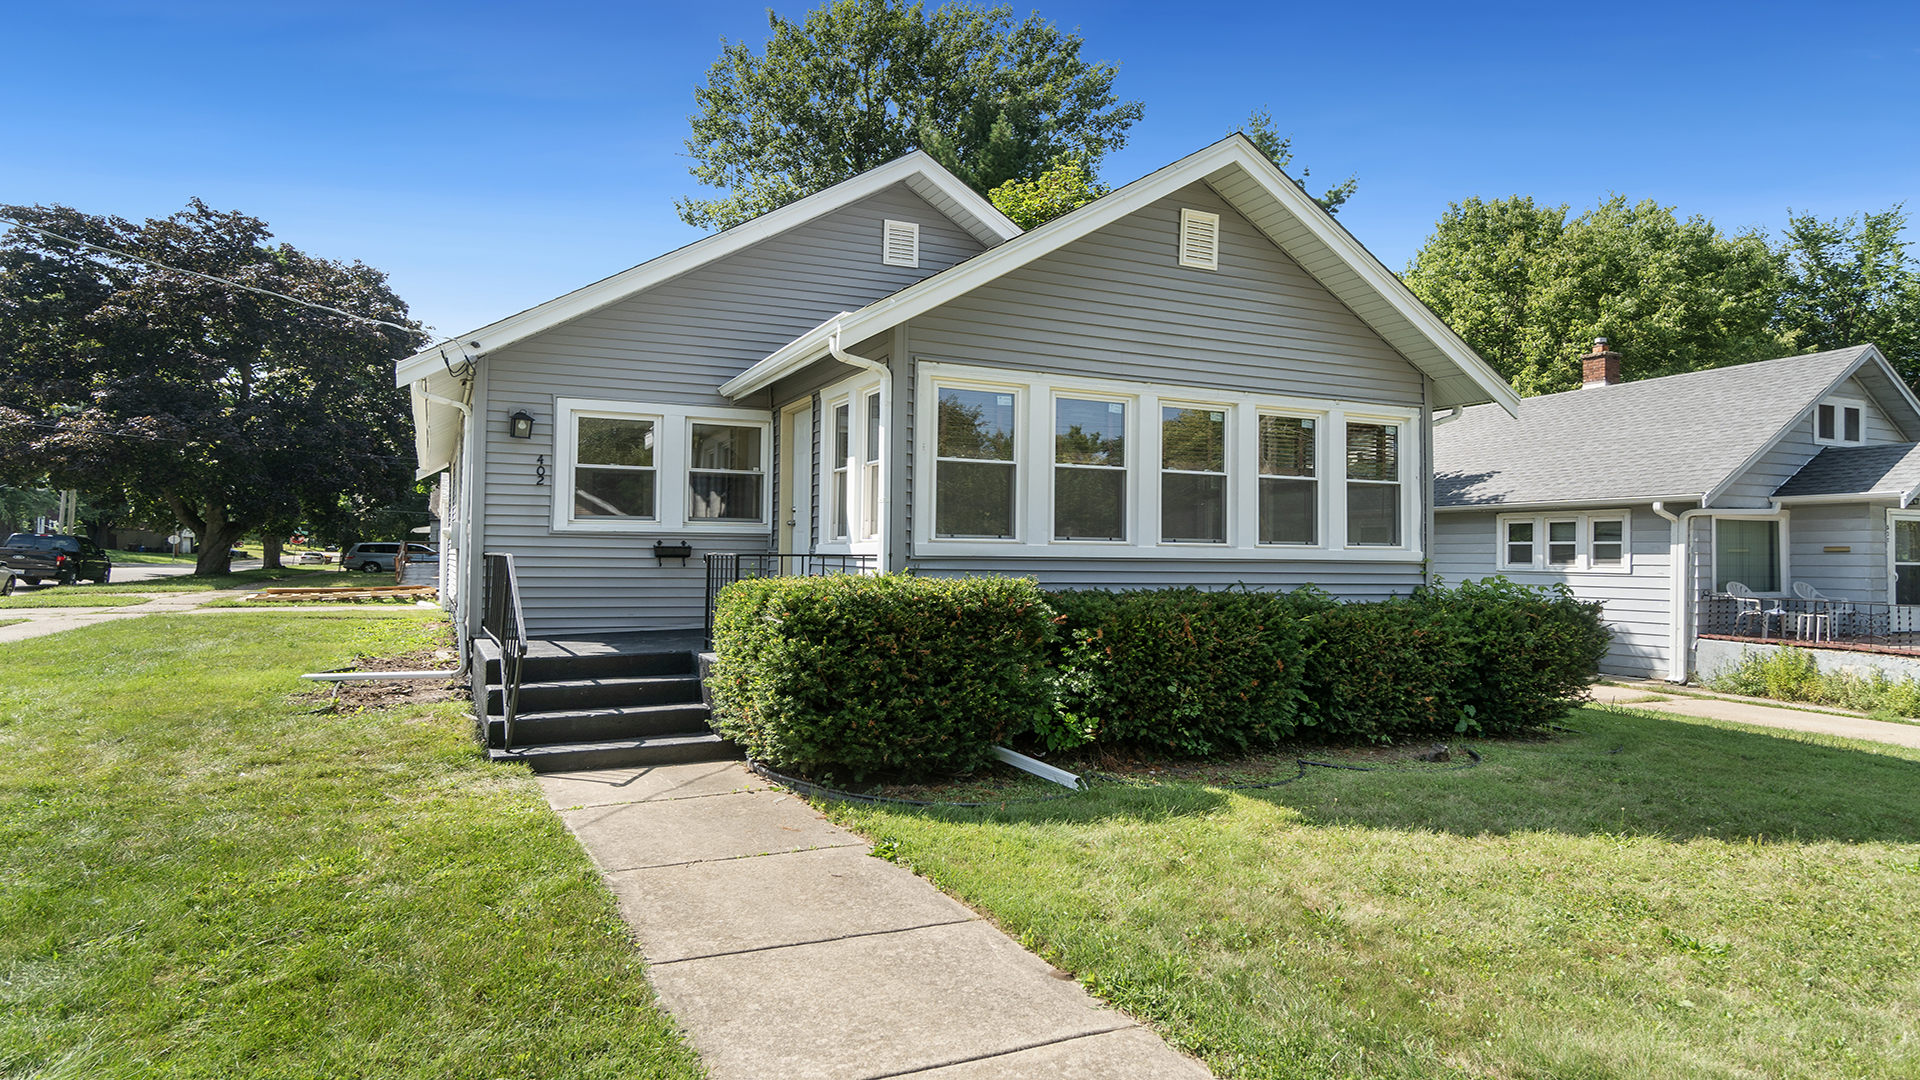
[[795, 512]]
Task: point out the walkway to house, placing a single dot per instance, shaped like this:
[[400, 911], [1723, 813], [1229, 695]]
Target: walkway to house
[[1757, 712], [784, 949]]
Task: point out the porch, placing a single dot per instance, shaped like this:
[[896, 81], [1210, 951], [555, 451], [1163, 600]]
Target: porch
[[1823, 623]]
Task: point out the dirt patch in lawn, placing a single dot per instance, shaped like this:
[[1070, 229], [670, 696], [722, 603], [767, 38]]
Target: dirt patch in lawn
[[380, 694]]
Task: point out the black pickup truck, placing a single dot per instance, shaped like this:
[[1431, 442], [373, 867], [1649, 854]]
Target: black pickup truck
[[65, 559]]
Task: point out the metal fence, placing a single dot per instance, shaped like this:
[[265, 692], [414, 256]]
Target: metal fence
[[1813, 623], [725, 568], [502, 619]]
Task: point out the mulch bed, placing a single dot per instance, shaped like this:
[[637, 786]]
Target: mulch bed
[[374, 694]]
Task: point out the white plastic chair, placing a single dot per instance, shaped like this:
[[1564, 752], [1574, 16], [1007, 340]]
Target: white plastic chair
[[1829, 606], [1752, 606]]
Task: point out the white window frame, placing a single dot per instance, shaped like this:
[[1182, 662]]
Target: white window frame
[[1129, 487], [1318, 479], [853, 393], [1035, 394], [1583, 522], [1893, 565], [671, 434], [1839, 405], [1786, 551], [1228, 474], [1403, 453]]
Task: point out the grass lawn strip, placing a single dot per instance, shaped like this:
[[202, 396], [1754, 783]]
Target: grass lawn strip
[[1651, 897], [13, 622], [203, 878], [69, 598]]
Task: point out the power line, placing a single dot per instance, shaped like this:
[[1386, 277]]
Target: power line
[[209, 277]]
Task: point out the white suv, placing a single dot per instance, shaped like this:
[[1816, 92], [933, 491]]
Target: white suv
[[376, 557]]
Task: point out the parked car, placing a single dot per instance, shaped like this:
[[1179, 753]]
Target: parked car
[[373, 557], [6, 582], [66, 559]]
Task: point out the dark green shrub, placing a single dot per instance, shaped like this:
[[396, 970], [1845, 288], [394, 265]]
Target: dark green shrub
[[1529, 651], [853, 676], [1177, 669], [1379, 671]]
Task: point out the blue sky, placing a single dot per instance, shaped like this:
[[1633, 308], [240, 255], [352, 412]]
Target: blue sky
[[492, 156]]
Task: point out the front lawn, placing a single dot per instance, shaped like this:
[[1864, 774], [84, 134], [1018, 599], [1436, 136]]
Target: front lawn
[[203, 876], [238, 579], [1651, 897]]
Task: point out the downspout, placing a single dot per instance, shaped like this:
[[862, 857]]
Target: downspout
[[1680, 571], [883, 527], [1451, 416]]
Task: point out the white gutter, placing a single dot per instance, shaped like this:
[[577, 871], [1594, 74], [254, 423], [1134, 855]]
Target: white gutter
[[885, 525], [1458, 411], [1680, 570], [438, 400]]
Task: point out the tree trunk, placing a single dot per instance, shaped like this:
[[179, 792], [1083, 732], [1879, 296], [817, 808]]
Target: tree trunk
[[270, 544], [216, 548]]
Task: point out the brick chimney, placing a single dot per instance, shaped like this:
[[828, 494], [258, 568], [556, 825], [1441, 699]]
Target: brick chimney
[[1601, 367]]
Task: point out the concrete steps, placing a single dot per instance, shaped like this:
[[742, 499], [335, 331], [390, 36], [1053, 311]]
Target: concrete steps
[[622, 701]]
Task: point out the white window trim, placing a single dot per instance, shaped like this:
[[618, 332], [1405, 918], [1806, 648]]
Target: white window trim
[[1130, 433], [1318, 479], [1033, 495], [1893, 573], [1840, 404], [1786, 551], [851, 392], [672, 429], [1583, 538]]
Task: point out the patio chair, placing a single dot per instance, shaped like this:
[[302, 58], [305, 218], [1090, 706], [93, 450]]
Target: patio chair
[[1830, 610], [1752, 606]]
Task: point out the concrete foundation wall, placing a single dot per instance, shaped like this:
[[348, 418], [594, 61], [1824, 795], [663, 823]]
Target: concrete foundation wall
[[1712, 657]]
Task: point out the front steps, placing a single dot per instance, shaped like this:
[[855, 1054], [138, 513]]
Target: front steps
[[608, 702]]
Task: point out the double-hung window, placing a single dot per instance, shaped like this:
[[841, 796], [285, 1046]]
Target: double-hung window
[[1089, 469], [614, 474], [842, 463], [870, 470], [1193, 474], [1289, 493], [1607, 543], [724, 472], [974, 464], [1373, 483]]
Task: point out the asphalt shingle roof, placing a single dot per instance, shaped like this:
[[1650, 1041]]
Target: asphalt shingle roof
[[1672, 436], [1856, 470]]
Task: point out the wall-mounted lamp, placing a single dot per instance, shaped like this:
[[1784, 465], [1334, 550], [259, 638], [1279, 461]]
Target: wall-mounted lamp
[[520, 425]]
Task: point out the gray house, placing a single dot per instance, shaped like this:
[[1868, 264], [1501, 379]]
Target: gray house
[[1199, 379], [1655, 495]]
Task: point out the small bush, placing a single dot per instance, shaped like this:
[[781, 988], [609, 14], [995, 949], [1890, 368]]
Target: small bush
[[1178, 669], [856, 676], [1789, 674]]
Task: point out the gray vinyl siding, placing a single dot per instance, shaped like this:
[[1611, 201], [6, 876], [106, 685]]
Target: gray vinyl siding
[[1755, 487], [1856, 574], [1354, 581], [1115, 304], [1638, 603], [1875, 425], [674, 344]]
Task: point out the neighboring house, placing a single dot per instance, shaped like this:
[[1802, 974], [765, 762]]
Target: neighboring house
[[1200, 379], [1766, 474]]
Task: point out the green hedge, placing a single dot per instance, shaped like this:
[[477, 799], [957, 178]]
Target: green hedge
[[859, 676], [854, 676]]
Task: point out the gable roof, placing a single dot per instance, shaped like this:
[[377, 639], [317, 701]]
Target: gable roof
[[1269, 199], [917, 170], [1886, 471], [1678, 437]]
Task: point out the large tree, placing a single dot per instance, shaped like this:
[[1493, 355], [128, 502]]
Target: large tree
[[226, 407], [1850, 282], [1530, 290], [1260, 130], [861, 82]]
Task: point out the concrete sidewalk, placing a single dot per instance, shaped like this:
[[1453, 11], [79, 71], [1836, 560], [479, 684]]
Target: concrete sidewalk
[[1762, 714], [784, 949]]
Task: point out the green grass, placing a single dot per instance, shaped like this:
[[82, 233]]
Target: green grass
[[11, 622], [204, 878], [68, 597], [150, 558], [1653, 897], [239, 579]]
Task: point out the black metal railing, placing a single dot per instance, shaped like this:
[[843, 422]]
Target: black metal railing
[[725, 568], [1813, 623], [503, 620]]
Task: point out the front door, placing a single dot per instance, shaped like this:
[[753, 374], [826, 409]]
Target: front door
[[795, 512]]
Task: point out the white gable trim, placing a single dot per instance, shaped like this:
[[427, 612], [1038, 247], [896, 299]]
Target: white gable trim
[[1868, 354], [1319, 244], [920, 172]]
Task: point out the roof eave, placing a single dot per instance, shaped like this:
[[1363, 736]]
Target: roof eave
[[1563, 504], [1766, 448]]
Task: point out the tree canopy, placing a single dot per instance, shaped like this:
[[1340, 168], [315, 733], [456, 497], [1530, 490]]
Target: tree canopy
[[1266, 138], [1530, 289], [858, 83], [1848, 282], [226, 408]]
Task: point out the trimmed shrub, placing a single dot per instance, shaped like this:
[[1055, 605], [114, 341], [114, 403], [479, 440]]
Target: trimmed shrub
[[1177, 669], [853, 676], [1530, 652]]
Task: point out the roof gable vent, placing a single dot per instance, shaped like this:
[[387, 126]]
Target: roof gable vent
[[1199, 239], [902, 244]]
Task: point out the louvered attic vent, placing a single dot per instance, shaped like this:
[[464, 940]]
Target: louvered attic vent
[[902, 245], [1199, 240]]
